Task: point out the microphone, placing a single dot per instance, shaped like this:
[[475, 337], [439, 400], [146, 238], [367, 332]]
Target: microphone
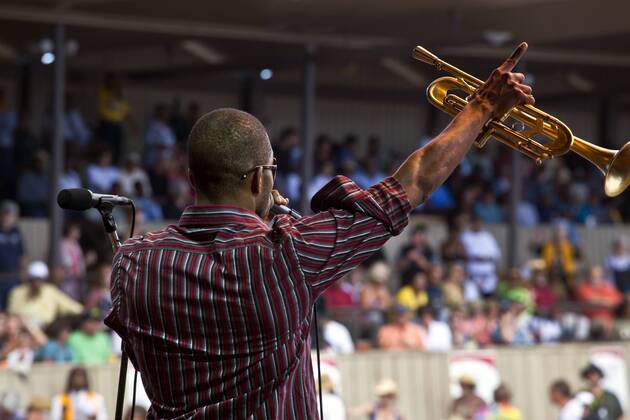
[[279, 209], [84, 199]]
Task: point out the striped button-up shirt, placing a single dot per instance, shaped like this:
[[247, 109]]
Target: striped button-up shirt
[[215, 312]]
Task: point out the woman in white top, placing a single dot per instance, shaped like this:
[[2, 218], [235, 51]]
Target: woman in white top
[[78, 402]]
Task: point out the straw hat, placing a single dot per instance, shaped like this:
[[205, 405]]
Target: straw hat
[[386, 387]]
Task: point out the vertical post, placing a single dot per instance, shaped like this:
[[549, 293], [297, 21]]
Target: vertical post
[[308, 125], [59, 89]]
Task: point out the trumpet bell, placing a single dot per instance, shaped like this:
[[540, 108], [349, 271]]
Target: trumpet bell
[[617, 175]]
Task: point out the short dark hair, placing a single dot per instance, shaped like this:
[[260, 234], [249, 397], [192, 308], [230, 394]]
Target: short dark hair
[[562, 387], [502, 394], [222, 146]]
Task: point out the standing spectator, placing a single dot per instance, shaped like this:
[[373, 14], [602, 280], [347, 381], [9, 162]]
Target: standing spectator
[[618, 269], [544, 295], [102, 174], [33, 187], [414, 295], [559, 255], [600, 299], [385, 407], [560, 395], [469, 404], [8, 122], [502, 409], [482, 254], [12, 259], [73, 262], [40, 301], [605, 405], [402, 333], [333, 407], [78, 402], [159, 139], [131, 173], [416, 256], [113, 111], [438, 333]]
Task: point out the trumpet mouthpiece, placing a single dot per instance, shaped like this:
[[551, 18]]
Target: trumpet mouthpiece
[[424, 55]]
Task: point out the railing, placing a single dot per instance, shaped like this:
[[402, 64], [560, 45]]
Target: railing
[[423, 378]]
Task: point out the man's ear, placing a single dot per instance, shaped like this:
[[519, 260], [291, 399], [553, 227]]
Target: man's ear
[[257, 181]]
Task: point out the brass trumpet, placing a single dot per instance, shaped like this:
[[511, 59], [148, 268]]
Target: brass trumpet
[[529, 127]]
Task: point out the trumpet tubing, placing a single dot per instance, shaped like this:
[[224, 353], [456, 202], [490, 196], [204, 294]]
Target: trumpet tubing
[[614, 164]]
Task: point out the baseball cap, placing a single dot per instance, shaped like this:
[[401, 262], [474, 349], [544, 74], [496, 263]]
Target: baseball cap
[[37, 270]]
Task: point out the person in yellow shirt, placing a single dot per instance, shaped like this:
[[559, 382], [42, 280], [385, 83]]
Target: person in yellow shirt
[[113, 110], [414, 296], [559, 256], [39, 301]]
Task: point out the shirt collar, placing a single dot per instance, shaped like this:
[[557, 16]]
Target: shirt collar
[[209, 215]]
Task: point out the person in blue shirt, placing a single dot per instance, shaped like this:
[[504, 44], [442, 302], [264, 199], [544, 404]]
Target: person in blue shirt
[[56, 349], [12, 259]]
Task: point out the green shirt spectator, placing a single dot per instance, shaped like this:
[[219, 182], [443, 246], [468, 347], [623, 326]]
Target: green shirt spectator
[[90, 344]]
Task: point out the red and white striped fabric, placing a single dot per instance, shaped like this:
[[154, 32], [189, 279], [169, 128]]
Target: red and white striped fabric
[[215, 312]]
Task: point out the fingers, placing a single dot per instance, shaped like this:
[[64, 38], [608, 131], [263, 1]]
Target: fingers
[[279, 199], [525, 94], [512, 61]]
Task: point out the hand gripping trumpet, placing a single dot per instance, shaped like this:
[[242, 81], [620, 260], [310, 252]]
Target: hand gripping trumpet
[[529, 128]]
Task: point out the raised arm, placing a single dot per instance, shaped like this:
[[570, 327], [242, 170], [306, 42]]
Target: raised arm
[[428, 167]]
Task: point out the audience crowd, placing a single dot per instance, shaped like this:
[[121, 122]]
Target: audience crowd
[[427, 298]]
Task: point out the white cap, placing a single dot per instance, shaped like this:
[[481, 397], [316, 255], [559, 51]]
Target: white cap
[[37, 270], [584, 397]]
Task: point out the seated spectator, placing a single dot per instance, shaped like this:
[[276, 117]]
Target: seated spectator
[[12, 258], [321, 178], [19, 339], [336, 297], [469, 404], [75, 130], [56, 350], [102, 174], [600, 298], [159, 139], [544, 295], [502, 408], [559, 256], [90, 344], [513, 326], [179, 197], [440, 201], [546, 328], [40, 301], [99, 299], [368, 174], [438, 333], [70, 177], [375, 298], [416, 256], [456, 323], [483, 321], [402, 333], [482, 255], [33, 187], [73, 261], [605, 403], [516, 289], [336, 335], [435, 279], [452, 249], [78, 399], [131, 173], [414, 295], [618, 269], [149, 207], [570, 408], [353, 284], [453, 286], [487, 208]]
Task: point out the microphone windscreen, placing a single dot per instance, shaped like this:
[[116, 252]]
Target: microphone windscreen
[[75, 199]]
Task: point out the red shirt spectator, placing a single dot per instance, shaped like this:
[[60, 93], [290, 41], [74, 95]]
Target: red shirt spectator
[[599, 294], [336, 297]]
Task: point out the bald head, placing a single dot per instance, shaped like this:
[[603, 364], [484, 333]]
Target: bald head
[[223, 145]]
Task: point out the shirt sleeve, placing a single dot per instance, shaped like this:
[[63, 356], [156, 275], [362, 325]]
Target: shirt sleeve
[[350, 224]]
